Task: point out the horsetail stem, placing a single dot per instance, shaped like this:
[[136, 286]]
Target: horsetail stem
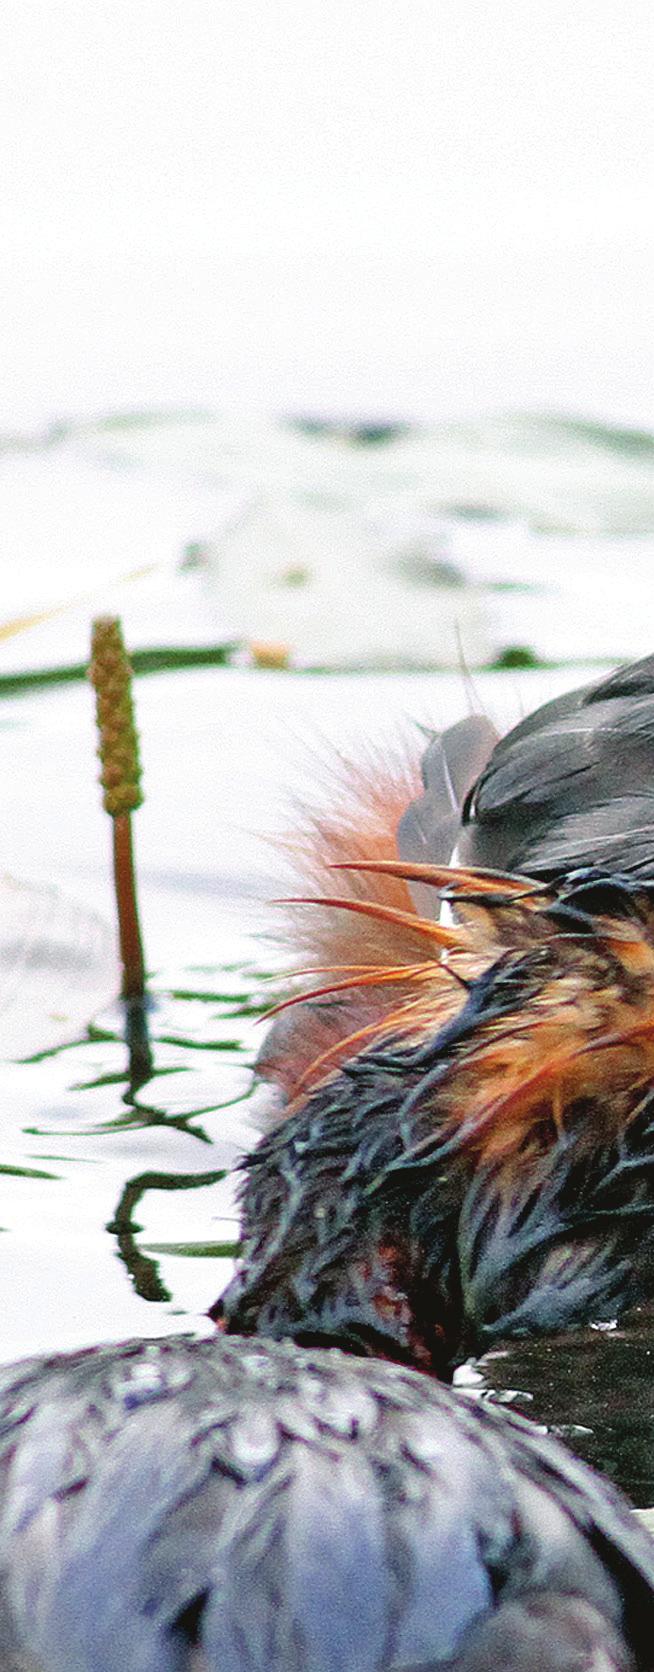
[[120, 776]]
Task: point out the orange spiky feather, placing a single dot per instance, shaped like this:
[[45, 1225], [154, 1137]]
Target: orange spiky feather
[[587, 1034], [356, 822]]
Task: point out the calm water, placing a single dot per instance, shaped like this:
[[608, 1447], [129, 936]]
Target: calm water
[[382, 546]]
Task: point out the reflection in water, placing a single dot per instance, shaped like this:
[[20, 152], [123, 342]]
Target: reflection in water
[[137, 1039], [133, 1230], [144, 1271]]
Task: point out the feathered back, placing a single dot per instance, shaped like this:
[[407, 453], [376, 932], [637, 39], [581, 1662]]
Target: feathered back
[[245, 1506], [572, 785]]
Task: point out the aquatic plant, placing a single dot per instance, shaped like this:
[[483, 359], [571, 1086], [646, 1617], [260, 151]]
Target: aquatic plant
[[120, 776]]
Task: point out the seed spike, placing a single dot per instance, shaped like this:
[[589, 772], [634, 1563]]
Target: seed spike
[[110, 674]]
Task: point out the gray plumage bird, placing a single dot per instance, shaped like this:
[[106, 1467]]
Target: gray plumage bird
[[246, 1506]]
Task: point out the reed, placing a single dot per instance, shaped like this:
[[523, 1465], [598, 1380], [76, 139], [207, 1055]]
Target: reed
[[120, 775]]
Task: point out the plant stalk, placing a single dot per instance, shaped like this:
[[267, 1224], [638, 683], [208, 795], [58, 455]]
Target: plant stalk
[[120, 775], [129, 929]]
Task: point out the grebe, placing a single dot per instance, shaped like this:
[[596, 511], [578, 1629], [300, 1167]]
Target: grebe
[[466, 1151], [250, 1506], [468, 1142]]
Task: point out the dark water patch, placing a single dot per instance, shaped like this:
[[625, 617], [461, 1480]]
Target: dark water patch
[[595, 1389]]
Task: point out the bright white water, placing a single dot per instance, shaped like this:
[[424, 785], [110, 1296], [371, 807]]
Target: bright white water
[[390, 548]]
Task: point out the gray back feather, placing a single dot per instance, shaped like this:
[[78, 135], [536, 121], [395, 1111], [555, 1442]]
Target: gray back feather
[[429, 829], [573, 785], [247, 1506]]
